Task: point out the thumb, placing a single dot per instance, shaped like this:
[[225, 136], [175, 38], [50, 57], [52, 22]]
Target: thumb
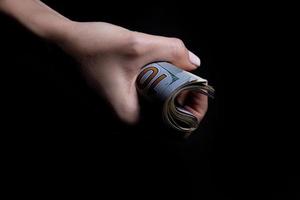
[[173, 50]]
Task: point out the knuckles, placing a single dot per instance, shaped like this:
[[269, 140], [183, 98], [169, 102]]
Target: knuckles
[[135, 45], [178, 49]]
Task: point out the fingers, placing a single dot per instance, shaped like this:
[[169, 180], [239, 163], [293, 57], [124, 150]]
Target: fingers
[[194, 102], [198, 105], [157, 48]]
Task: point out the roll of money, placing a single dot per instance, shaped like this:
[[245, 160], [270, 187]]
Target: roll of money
[[164, 82]]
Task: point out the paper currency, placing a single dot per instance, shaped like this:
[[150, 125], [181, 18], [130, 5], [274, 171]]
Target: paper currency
[[165, 82]]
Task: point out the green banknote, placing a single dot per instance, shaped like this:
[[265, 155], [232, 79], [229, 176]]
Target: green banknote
[[164, 82]]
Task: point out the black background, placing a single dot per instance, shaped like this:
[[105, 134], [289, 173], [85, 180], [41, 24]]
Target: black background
[[62, 137]]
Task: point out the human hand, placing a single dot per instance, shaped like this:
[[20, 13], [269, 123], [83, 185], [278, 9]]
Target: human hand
[[111, 58]]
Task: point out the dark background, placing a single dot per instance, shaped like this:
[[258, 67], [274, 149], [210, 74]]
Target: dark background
[[63, 138]]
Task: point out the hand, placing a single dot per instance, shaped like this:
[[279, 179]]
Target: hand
[[111, 58]]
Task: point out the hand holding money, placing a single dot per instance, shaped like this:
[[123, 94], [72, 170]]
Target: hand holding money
[[173, 86], [110, 58]]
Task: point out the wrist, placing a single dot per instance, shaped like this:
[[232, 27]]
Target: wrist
[[57, 31], [37, 17]]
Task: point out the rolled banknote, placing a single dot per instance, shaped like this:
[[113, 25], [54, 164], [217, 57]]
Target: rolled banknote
[[165, 82]]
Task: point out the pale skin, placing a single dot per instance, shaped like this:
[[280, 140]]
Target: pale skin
[[110, 56]]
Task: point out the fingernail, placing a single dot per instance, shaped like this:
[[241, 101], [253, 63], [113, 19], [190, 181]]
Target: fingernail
[[194, 59]]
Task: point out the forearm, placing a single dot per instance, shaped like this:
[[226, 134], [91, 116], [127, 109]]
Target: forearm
[[37, 17]]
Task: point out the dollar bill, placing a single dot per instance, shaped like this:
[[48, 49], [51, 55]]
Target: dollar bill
[[164, 82]]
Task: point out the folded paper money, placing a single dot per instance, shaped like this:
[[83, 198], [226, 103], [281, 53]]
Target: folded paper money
[[165, 82]]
